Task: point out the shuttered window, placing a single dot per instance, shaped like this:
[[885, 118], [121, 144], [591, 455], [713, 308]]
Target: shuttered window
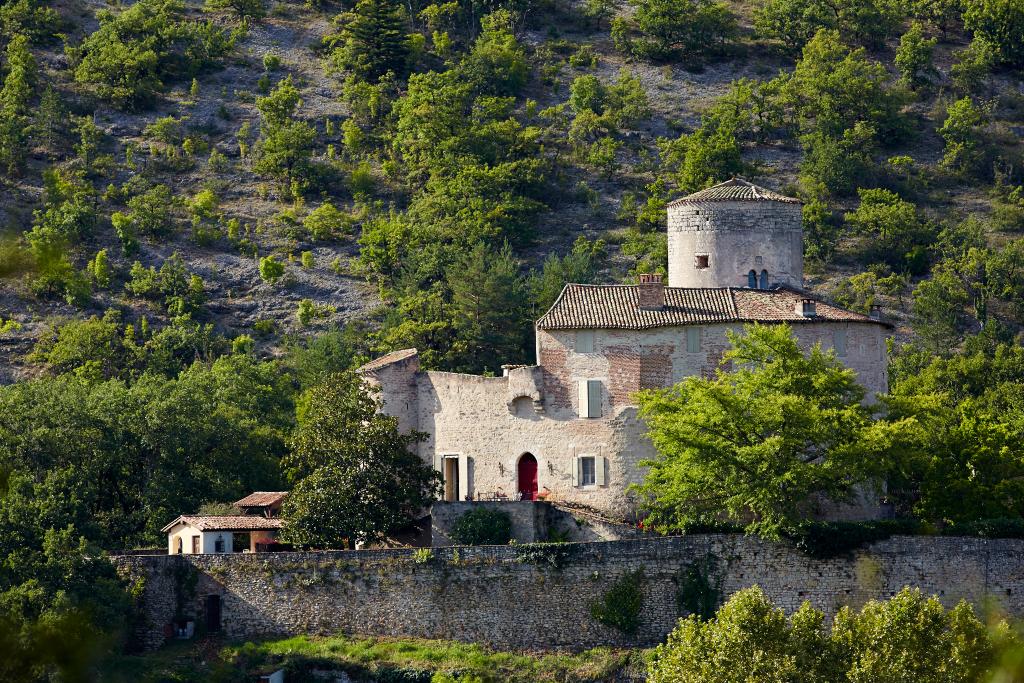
[[585, 341], [589, 470], [692, 339], [839, 343], [590, 398]]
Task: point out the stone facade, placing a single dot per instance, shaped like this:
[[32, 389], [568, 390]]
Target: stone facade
[[489, 423], [539, 597], [736, 237]]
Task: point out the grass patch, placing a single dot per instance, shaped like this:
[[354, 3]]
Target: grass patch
[[381, 659]]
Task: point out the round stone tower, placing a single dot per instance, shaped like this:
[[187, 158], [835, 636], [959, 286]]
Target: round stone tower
[[735, 234]]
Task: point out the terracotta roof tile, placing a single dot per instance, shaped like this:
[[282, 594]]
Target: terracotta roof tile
[[227, 523], [735, 190], [387, 359], [615, 307], [261, 499]]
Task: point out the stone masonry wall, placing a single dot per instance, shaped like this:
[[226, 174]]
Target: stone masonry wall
[[538, 597], [737, 237]]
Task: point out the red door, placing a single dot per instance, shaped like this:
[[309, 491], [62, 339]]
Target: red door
[[528, 477]]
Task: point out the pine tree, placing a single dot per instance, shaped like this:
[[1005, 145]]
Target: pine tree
[[373, 40], [14, 102]]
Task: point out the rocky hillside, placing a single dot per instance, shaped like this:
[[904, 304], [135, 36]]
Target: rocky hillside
[[606, 177]]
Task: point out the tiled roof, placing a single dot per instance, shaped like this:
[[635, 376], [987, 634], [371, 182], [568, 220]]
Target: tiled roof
[[616, 307], [387, 359], [735, 190], [228, 523], [259, 499]]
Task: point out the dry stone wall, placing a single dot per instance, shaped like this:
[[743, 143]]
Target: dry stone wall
[[539, 596]]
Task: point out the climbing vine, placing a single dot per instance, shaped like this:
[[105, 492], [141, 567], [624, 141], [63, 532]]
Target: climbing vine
[[699, 587], [620, 606]]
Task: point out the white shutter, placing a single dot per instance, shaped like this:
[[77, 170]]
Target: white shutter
[[465, 485], [584, 399], [575, 470], [594, 404], [600, 470]]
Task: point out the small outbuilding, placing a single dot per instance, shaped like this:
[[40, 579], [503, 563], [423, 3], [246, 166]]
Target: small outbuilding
[[206, 534]]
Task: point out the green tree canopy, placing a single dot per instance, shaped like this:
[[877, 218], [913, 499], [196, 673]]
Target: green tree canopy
[[355, 478], [772, 434], [906, 638]]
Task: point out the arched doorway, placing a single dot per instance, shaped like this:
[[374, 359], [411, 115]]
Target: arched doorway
[[527, 470]]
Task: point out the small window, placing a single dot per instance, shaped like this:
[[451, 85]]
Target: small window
[[839, 343], [701, 261], [590, 398], [764, 279], [752, 279], [692, 339], [588, 470], [218, 545], [585, 341]]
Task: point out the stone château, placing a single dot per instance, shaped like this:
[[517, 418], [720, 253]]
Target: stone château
[[566, 428]]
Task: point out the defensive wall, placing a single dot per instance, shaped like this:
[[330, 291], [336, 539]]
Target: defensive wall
[[538, 596]]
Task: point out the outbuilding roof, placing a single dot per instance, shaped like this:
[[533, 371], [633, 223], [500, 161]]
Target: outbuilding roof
[[227, 523], [735, 190], [259, 499], [617, 307]]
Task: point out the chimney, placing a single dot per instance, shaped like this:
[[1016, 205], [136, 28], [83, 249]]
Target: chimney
[[806, 308], [876, 312], [652, 292]]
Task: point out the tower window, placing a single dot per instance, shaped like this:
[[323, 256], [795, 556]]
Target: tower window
[[764, 279], [752, 279], [700, 261]]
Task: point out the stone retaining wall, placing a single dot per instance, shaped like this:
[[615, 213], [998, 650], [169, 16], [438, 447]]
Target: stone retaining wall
[[539, 596]]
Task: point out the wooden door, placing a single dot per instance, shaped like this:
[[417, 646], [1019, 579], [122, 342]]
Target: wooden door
[[528, 477], [195, 545]]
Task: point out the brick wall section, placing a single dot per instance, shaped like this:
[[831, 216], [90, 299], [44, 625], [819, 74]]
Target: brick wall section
[[490, 595]]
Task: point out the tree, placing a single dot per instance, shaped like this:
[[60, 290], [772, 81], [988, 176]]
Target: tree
[[963, 132], [709, 155], [1000, 24], [962, 464], [894, 233], [373, 40], [243, 8], [759, 444], [834, 87], [691, 30], [581, 265], [14, 105], [489, 309], [286, 144], [795, 22], [906, 638], [914, 57], [497, 62], [355, 479]]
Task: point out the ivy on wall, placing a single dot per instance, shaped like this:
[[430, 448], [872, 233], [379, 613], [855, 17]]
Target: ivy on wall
[[699, 587]]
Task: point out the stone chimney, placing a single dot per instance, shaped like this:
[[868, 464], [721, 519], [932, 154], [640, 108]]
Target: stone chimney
[[807, 308], [652, 292]]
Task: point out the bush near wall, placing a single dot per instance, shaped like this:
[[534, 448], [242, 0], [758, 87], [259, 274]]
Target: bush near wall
[[483, 526]]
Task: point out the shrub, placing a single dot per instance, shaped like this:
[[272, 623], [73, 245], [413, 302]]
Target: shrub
[[621, 605], [483, 526], [325, 222], [271, 269], [832, 539]]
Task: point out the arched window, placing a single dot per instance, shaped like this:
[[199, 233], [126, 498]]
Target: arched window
[[752, 279], [764, 279]]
